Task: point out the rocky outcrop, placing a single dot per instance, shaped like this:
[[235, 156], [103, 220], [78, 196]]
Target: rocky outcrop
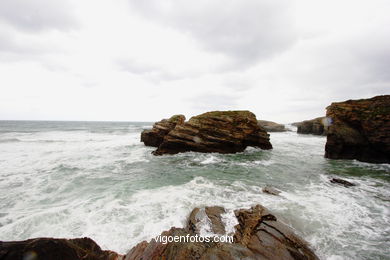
[[316, 126], [342, 182], [217, 131], [155, 136], [360, 129], [52, 248], [271, 190], [259, 235], [270, 126]]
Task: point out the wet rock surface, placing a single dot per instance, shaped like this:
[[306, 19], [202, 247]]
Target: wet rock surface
[[271, 190], [258, 235], [342, 182], [217, 131], [360, 130], [53, 248]]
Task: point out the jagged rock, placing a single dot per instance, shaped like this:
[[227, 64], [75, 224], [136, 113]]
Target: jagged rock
[[316, 126], [360, 130], [270, 126], [217, 131], [155, 136], [53, 248], [271, 190], [259, 235], [212, 213], [342, 182]]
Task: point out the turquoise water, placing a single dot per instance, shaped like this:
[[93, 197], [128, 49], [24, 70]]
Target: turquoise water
[[95, 179]]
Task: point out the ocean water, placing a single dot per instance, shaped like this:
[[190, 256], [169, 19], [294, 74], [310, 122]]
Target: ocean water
[[95, 179]]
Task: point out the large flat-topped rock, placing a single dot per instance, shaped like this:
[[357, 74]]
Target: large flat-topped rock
[[217, 131]]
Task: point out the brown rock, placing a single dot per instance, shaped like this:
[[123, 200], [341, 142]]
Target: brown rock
[[155, 136], [53, 248], [316, 126], [270, 126], [259, 235], [360, 130], [212, 213], [218, 131]]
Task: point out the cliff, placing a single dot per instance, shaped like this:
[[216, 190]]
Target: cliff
[[360, 129]]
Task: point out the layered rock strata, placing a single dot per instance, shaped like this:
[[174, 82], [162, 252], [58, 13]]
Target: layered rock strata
[[217, 131], [360, 129]]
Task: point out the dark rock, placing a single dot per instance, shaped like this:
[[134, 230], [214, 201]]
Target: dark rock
[[271, 190], [360, 130], [316, 126], [53, 248], [270, 126], [155, 136], [342, 182], [259, 235], [218, 131]]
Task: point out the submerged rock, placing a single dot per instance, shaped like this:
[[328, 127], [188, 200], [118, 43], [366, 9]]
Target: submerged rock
[[360, 130], [258, 235], [316, 126], [271, 190], [155, 136], [342, 182], [270, 126], [217, 131], [53, 248]]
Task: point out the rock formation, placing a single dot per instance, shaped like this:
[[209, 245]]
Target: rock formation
[[316, 126], [360, 129], [258, 235], [217, 131], [155, 136], [342, 182], [270, 126], [271, 190], [52, 248]]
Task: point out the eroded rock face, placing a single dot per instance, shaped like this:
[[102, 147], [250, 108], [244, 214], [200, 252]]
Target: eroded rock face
[[155, 136], [53, 248], [316, 126], [218, 131], [270, 126], [259, 235], [360, 130]]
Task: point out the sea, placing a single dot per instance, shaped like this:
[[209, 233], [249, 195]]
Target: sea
[[96, 179]]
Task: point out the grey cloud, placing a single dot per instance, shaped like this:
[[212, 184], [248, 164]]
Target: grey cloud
[[209, 102], [37, 15], [246, 31], [151, 72]]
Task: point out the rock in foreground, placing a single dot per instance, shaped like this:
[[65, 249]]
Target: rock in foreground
[[53, 248], [360, 130], [155, 136], [258, 235], [218, 131], [316, 126], [270, 126]]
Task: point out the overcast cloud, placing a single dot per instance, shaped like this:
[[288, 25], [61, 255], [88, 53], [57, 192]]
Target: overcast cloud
[[138, 60]]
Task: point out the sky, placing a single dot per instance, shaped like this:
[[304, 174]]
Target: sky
[[144, 60]]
